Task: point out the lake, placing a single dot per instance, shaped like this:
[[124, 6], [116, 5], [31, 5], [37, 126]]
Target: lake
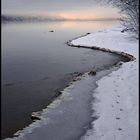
[[37, 63]]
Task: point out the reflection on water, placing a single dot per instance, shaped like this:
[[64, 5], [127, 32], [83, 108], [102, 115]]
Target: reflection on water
[[89, 26], [74, 25], [36, 63]]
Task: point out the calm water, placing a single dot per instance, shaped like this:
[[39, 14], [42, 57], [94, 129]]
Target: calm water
[[37, 63]]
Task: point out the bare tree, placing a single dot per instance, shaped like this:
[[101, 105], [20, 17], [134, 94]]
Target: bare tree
[[129, 10]]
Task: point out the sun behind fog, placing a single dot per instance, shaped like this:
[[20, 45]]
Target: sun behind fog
[[76, 16]]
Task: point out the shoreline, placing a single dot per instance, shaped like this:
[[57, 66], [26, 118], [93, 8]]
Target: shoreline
[[121, 101], [38, 116], [74, 77], [78, 75], [26, 89], [128, 56]]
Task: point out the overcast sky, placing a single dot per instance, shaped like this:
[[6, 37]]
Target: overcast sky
[[64, 8]]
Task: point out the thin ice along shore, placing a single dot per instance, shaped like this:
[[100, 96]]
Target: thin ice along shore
[[114, 98]]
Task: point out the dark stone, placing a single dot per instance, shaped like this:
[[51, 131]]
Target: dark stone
[[79, 46], [79, 74], [119, 129], [124, 30], [51, 31], [117, 118], [35, 116], [92, 72], [58, 93]]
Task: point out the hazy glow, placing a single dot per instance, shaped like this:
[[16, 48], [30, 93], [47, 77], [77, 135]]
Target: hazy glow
[[92, 13], [70, 9], [77, 16]]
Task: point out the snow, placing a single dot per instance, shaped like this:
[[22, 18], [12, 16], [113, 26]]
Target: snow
[[110, 39], [118, 92], [115, 99], [118, 106]]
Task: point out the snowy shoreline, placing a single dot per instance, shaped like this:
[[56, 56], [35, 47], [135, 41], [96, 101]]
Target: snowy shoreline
[[118, 92], [69, 43], [118, 106], [130, 57]]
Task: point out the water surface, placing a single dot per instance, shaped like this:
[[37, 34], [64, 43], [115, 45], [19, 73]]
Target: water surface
[[37, 63]]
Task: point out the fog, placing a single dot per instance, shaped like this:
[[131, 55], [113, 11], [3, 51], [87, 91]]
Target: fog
[[64, 8]]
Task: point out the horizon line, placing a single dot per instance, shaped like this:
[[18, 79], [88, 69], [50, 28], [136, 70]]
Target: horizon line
[[28, 17]]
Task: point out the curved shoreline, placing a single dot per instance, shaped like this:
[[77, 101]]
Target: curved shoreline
[[56, 55], [123, 100], [128, 56], [37, 115]]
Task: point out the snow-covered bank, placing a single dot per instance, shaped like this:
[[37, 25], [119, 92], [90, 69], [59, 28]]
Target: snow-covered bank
[[112, 39], [118, 92]]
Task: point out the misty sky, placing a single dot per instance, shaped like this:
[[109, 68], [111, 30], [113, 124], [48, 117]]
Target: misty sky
[[63, 8]]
